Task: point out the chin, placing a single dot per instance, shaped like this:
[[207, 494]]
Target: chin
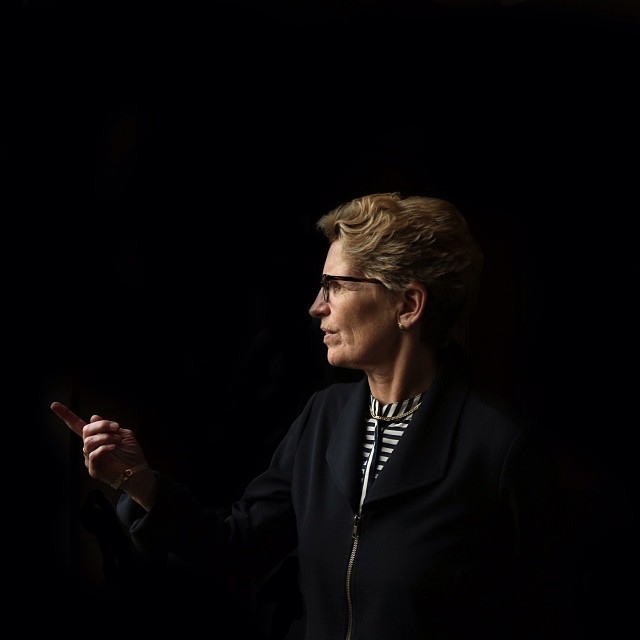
[[336, 361]]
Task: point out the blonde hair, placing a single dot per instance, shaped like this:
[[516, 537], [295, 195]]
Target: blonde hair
[[403, 239]]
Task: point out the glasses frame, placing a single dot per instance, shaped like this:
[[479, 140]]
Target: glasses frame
[[326, 279]]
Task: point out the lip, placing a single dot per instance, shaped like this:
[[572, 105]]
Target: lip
[[328, 335]]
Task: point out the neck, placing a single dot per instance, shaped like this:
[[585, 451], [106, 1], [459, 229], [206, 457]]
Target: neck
[[404, 379]]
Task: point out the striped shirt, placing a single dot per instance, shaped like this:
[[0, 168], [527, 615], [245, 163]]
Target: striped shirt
[[382, 436]]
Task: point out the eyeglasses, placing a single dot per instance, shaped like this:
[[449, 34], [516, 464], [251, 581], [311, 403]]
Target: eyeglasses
[[326, 279]]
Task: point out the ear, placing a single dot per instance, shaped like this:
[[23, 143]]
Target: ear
[[412, 304]]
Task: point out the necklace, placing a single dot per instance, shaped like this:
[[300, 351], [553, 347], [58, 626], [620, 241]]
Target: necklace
[[390, 418]]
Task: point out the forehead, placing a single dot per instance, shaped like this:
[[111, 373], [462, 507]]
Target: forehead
[[336, 263]]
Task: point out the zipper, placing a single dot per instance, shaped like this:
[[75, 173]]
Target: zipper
[[368, 477], [352, 557]]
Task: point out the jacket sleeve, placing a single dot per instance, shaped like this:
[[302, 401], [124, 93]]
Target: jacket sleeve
[[252, 536]]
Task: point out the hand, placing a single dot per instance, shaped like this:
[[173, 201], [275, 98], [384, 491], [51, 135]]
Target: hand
[[108, 448]]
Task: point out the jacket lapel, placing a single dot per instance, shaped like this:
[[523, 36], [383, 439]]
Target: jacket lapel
[[421, 455], [344, 453]]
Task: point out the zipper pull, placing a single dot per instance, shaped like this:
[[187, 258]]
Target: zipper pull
[[356, 525]]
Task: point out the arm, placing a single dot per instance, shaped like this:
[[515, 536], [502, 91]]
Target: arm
[[162, 516]]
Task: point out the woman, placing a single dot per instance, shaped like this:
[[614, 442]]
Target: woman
[[417, 508]]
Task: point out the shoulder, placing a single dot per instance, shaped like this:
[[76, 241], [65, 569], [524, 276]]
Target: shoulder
[[482, 404], [480, 410], [338, 391], [334, 397]]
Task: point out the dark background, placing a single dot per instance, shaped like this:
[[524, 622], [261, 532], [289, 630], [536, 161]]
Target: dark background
[[165, 164]]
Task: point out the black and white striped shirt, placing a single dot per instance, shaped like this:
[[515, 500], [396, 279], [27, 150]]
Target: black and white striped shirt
[[382, 436]]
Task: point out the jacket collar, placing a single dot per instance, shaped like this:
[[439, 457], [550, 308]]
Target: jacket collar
[[421, 455]]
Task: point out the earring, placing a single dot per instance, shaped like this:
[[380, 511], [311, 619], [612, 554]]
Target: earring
[[401, 326]]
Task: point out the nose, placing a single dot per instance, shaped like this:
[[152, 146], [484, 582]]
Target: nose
[[319, 306]]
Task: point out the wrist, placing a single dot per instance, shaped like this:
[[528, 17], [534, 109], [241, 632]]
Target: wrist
[[141, 487], [127, 474]]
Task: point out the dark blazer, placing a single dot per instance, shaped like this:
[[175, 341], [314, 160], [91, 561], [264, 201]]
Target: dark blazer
[[456, 537]]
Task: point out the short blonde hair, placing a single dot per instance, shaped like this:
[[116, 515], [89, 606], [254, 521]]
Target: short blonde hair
[[398, 240]]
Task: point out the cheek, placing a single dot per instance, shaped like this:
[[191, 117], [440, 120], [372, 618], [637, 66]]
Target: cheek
[[371, 333], [367, 325]]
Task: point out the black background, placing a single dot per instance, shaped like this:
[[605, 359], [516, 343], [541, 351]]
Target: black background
[[166, 164]]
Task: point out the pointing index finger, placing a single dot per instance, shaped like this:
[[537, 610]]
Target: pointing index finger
[[74, 422]]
